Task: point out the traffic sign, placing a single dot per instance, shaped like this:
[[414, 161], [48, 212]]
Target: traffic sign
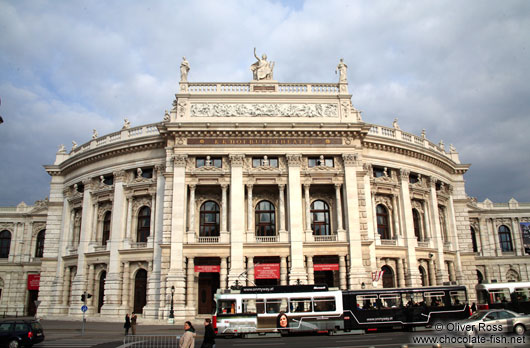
[[84, 308]]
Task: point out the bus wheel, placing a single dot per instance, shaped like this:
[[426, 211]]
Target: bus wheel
[[519, 329]]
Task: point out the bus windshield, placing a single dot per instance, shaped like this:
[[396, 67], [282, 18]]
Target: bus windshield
[[226, 306]]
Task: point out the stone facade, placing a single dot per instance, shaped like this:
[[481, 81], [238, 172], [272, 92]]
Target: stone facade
[[252, 183]]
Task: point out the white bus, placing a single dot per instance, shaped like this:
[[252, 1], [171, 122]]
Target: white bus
[[512, 295]]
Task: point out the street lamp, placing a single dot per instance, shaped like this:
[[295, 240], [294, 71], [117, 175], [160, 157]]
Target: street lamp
[[171, 314]]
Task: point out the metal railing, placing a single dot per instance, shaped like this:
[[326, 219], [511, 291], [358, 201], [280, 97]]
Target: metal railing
[[150, 341]]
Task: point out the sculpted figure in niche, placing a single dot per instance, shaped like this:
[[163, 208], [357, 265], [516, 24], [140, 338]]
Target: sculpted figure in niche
[[184, 68], [265, 161], [262, 69], [343, 70], [208, 162]]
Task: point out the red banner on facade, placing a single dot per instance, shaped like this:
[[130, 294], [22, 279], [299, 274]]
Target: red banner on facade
[[33, 281], [208, 268], [267, 271], [326, 267]]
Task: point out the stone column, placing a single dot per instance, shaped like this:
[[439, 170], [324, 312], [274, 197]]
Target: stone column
[[310, 270], [190, 287], [191, 214], [412, 276], [338, 202], [400, 273], [154, 296], [125, 287], [90, 287], [441, 274], [113, 279], [426, 224], [224, 213], [296, 228], [152, 222], [128, 233], [357, 273], [223, 273], [283, 233], [517, 237], [283, 270], [451, 268], [250, 212], [71, 233], [483, 235], [342, 272], [237, 218], [307, 199], [250, 271], [495, 234], [66, 286], [396, 207], [79, 283], [457, 264], [95, 224], [432, 273], [176, 274]]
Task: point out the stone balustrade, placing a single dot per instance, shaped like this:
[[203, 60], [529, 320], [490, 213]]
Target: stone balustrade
[[289, 88]]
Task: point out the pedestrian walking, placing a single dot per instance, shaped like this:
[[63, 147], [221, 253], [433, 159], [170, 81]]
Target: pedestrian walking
[[209, 335], [127, 324], [473, 307], [133, 323], [188, 338]]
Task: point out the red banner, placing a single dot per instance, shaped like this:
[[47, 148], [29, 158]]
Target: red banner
[[267, 271], [33, 281], [208, 268], [326, 267]]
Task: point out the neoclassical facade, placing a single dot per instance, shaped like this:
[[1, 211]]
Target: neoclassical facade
[[254, 183]]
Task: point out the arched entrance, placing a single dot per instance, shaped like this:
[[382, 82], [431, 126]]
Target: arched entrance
[[480, 277], [101, 292], [140, 291], [388, 277]]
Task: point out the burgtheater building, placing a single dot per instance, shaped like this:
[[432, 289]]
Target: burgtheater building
[[251, 183]]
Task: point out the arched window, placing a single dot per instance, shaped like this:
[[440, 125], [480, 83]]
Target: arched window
[[320, 218], [39, 247], [106, 228], [144, 222], [265, 219], [209, 219], [474, 240], [5, 244], [417, 224], [480, 277], [388, 277], [423, 276], [505, 239], [383, 226]]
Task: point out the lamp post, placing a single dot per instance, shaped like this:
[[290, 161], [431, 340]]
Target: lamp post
[[171, 313]]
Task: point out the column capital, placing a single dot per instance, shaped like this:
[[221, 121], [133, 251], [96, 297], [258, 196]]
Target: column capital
[[249, 186], [224, 186], [160, 169], [307, 185], [404, 174], [281, 187], [180, 160], [294, 160], [338, 185], [192, 186], [350, 159], [119, 175], [237, 160]]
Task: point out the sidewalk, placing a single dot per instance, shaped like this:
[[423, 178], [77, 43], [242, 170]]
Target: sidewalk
[[56, 330]]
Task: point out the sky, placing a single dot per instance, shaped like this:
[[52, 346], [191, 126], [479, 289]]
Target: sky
[[458, 69]]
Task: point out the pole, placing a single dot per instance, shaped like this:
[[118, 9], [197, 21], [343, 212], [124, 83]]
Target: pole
[[83, 326]]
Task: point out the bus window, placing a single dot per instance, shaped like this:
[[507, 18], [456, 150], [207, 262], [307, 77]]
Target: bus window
[[412, 299], [522, 294], [324, 304], [482, 296], [299, 305], [260, 306], [276, 305], [367, 301], [226, 307], [249, 305], [499, 295], [389, 300], [457, 297], [434, 299]]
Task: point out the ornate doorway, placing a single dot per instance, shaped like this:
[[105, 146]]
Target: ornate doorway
[[140, 291], [101, 292]]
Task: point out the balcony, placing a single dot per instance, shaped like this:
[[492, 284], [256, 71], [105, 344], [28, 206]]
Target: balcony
[[208, 240], [392, 242], [328, 238], [266, 239]]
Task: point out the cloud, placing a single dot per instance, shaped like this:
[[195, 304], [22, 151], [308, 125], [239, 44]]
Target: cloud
[[457, 69]]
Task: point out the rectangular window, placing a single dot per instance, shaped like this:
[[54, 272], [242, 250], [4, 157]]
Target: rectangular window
[[260, 162], [499, 295], [276, 305], [325, 304], [249, 305], [315, 162], [434, 299], [522, 294], [457, 298], [300, 305], [412, 299], [260, 306], [226, 307], [205, 162], [389, 300], [367, 301]]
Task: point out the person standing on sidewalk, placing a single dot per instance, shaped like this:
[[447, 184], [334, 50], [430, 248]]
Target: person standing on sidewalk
[[188, 339], [209, 335], [127, 324], [133, 323]]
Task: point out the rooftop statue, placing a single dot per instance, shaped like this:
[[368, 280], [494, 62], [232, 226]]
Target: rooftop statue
[[262, 69], [343, 70], [184, 68]]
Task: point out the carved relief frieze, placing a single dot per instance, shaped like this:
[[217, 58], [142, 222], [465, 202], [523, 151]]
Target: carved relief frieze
[[294, 160], [201, 198], [102, 209], [237, 159], [9, 226], [420, 184], [350, 159], [263, 110], [181, 109], [139, 202], [385, 200], [417, 205], [180, 160], [503, 221], [38, 226]]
